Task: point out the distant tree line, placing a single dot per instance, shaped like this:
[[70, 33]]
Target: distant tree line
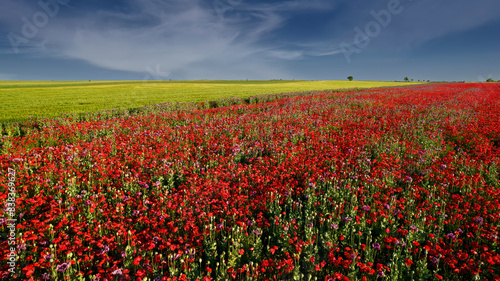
[[406, 79]]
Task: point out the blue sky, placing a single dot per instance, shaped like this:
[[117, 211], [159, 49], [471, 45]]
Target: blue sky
[[243, 39]]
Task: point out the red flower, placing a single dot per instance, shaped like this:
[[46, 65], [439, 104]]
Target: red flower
[[29, 270], [137, 260], [273, 249]]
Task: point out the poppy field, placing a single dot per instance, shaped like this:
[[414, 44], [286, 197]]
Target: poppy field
[[398, 183]]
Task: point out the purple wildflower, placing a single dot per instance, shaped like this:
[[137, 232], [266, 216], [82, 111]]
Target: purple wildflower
[[399, 243], [63, 267], [21, 247], [376, 246], [105, 249]]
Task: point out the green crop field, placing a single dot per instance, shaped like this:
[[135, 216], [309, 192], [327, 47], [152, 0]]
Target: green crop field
[[19, 100]]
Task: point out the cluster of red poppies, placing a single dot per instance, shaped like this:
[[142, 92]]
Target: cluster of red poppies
[[334, 185]]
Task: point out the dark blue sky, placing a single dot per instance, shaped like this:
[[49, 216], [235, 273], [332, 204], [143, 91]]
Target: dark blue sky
[[243, 39]]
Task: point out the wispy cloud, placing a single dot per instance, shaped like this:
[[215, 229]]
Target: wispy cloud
[[177, 35]]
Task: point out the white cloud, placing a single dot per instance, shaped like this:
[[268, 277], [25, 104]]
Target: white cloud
[[179, 34], [285, 55]]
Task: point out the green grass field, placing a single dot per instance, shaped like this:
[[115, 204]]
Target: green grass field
[[19, 100]]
